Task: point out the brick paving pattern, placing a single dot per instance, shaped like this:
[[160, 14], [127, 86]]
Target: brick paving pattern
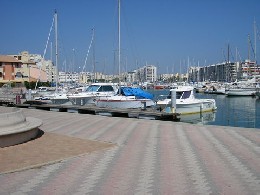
[[147, 157]]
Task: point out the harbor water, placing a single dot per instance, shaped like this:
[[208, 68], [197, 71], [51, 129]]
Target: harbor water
[[236, 111]]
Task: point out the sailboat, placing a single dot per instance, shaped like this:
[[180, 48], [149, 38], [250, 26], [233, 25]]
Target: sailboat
[[127, 97], [59, 96]]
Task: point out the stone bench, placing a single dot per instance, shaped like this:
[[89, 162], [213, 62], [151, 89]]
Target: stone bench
[[15, 128]]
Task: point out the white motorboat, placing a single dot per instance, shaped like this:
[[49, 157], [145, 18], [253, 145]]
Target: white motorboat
[[93, 92], [128, 98], [244, 91], [243, 88], [185, 102], [215, 89], [59, 96]]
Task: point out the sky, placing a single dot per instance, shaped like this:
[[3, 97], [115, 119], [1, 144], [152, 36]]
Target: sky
[[170, 34]]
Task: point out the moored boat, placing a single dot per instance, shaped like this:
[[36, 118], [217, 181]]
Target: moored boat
[[241, 91], [93, 92], [129, 97], [185, 102]]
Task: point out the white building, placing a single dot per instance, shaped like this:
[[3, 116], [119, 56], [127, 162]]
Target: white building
[[67, 77]]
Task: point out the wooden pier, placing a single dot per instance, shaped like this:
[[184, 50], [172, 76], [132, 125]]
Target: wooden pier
[[6, 102], [148, 113]]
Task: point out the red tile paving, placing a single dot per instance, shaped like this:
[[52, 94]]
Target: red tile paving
[[148, 157]]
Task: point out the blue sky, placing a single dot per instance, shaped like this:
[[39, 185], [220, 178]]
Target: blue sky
[[165, 33]]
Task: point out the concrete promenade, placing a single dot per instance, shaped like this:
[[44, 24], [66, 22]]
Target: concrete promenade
[[141, 157]]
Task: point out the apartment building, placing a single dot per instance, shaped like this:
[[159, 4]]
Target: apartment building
[[10, 69], [225, 72]]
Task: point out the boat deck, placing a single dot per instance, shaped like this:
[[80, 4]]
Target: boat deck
[[91, 154]]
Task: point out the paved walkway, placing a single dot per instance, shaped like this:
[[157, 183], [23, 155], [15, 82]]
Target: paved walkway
[[146, 157]]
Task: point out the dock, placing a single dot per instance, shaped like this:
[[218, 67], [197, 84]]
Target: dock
[[148, 113], [93, 154]]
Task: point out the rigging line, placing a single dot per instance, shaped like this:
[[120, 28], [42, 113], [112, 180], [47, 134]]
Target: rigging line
[[252, 47], [257, 32], [92, 38], [44, 53], [129, 32], [225, 59], [232, 56], [48, 38], [239, 55]]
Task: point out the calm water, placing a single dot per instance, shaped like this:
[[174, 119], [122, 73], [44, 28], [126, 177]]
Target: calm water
[[231, 111]]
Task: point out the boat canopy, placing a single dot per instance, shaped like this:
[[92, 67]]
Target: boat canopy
[[137, 92]]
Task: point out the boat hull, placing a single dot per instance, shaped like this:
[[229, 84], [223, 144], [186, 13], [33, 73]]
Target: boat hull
[[202, 105], [81, 101], [123, 102], [241, 92]]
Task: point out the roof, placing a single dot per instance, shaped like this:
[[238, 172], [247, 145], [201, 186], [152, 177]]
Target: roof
[[5, 58]]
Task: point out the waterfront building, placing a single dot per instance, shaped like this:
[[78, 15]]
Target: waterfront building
[[146, 73], [131, 76], [34, 67], [224, 72], [249, 69], [84, 77], [68, 77], [10, 69], [15, 70], [150, 73]]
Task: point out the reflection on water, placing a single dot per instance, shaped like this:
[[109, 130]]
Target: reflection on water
[[237, 111], [240, 111], [203, 118]]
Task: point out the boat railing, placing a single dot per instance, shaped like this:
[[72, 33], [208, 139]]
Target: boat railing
[[162, 97]]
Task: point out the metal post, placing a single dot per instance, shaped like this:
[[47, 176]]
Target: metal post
[[30, 94], [173, 100], [143, 104]]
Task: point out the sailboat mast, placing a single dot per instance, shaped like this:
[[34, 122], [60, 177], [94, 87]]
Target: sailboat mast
[[56, 45], [255, 39], [228, 66], [119, 45], [94, 58], [248, 47]]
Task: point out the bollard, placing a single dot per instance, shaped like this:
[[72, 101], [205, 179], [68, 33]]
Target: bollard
[[143, 105], [29, 95], [173, 100], [18, 99]]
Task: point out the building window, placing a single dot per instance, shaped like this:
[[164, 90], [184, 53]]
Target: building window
[[19, 75], [17, 65]]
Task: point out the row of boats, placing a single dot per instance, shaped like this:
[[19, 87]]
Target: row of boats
[[242, 88], [181, 99]]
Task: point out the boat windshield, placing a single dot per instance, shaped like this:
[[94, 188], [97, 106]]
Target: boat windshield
[[106, 88], [98, 88], [183, 94], [92, 88]]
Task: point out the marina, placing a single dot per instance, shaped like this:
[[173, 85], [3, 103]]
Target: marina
[[237, 111], [130, 97]]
